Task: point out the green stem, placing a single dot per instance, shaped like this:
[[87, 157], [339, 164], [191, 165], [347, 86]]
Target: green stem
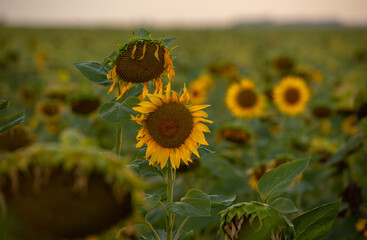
[[118, 142], [182, 225], [151, 227], [170, 183]]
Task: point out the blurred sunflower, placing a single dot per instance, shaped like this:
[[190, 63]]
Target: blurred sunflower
[[243, 100], [291, 95], [234, 134], [15, 138], [349, 125], [172, 128], [361, 226], [323, 113], [140, 61], [283, 63], [49, 110], [256, 173], [84, 104], [198, 89]]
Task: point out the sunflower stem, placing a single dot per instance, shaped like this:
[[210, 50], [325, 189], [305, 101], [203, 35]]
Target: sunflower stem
[[118, 142], [171, 175]]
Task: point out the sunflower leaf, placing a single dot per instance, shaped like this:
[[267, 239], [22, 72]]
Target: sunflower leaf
[[10, 121], [151, 201], [94, 71], [145, 170], [276, 181], [168, 41], [143, 33], [109, 59], [195, 204], [316, 223], [115, 113], [283, 205], [202, 152]]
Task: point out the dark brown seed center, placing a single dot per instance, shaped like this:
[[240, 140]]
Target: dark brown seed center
[[84, 106], [170, 125], [321, 112], [292, 95], [51, 110], [247, 98], [139, 66]]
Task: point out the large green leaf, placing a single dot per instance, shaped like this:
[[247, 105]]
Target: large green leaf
[[115, 113], [144, 169], [195, 204], [94, 71], [316, 223], [151, 201], [222, 200], [10, 121], [283, 205], [276, 181]]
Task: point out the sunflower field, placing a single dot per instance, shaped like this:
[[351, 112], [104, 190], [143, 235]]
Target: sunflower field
[[246, 133]]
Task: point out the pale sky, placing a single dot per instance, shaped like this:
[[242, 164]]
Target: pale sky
[[170, 13]]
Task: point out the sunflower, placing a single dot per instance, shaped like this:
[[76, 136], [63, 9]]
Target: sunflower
[[256, 174], [361, 226], [243, 100], [198, 89], [291, 95], [140, 61], [350, 125], [235, 134], [172, 128]]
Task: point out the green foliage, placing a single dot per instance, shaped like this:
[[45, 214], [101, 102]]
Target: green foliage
[[163, 235], [95, 72], [115, 113], [4, 103], [283, 205], [194, 204], [143, 33], [10, 121], [316, 223], [222, 200], [276, 181], [145, 170], [151, 201]]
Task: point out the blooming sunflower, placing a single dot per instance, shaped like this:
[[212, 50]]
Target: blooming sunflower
[[243, 100], [172, 129], [291, 95], [198, 89], [141, 60]]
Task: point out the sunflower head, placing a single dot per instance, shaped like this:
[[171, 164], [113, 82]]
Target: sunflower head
[[140, 61], [171, 127], [15, 138], [350, 125], [235, 134], [84, 104], [256, 173], [243, 100], [198, 89], [49, 110], [223, 69], [283, 63], [321, 111], [291, 95], [322, 147]]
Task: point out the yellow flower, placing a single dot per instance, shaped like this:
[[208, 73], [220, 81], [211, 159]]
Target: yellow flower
[[291, 95], [349, 125], [256, 174], [361, 225], [198, 89], [172, 129], [243, 100], [140, 61]]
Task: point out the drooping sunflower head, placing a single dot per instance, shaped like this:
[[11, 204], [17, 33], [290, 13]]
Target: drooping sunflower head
[[350, 125], [291, 95], [84, 104], [321, 111], [49, 110], [172, 129], [140, 61], [235, 134], [243, 100], [283, 63], [16, 138], [198, 89]]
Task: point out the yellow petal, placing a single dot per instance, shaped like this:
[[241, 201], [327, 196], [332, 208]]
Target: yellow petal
[[144, 49], [148, 105], [145, 90], [198, 107], [133, 52], [123, 89], [156, 53], [141, 110], [199, 114], [199, 119], [155, 100], [199, 137], [202, 127], [168, 92]]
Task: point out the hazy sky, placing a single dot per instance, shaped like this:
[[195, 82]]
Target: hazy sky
[[172, 12]]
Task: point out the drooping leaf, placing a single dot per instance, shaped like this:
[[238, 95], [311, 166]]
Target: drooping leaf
[[316, 223], [94, 71], [12, 120], [195, 204], [222, 200], [276, 181], [115, 113], [283, 205]]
